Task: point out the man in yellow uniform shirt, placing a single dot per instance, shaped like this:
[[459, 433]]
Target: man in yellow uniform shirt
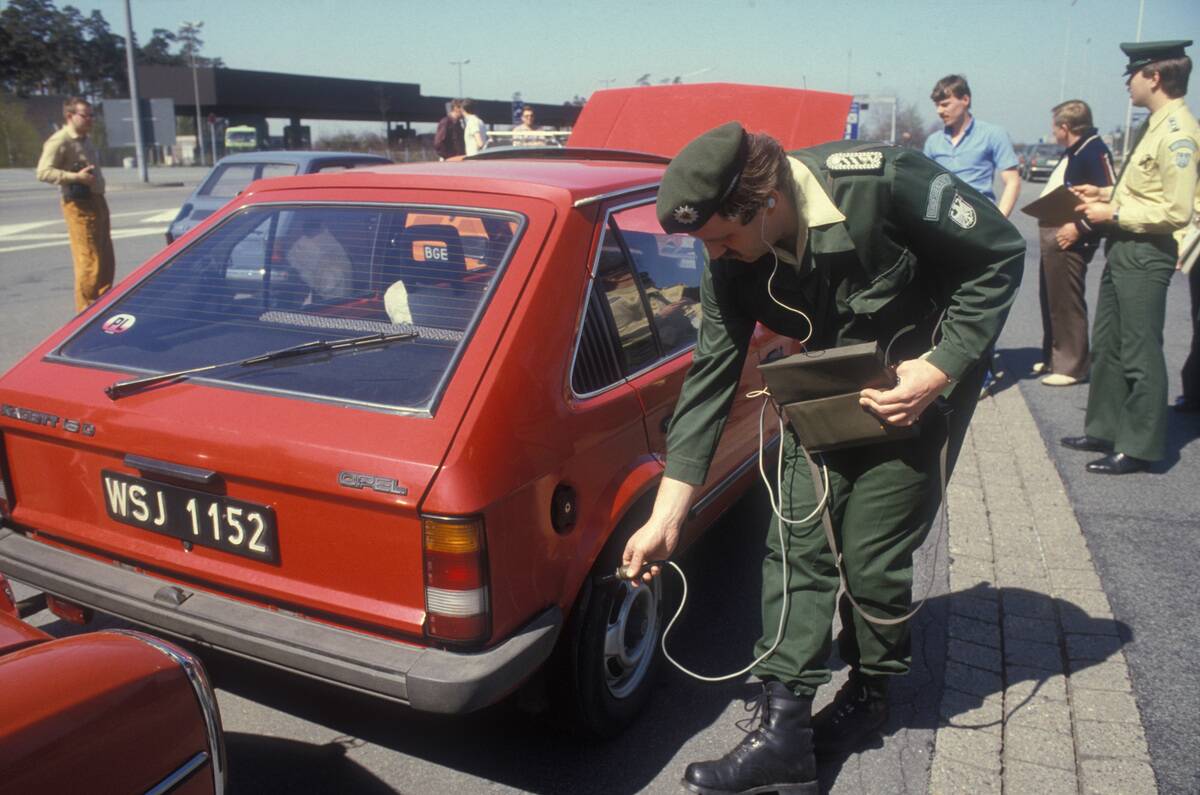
[[69, 161], [1127, 403]]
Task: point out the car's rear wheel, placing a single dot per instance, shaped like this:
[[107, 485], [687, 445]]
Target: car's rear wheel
[[610, 656]]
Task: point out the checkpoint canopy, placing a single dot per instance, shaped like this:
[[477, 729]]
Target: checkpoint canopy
[[661, 120]]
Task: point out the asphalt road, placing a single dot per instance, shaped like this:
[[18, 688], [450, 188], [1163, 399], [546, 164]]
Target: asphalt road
[[286, 734]]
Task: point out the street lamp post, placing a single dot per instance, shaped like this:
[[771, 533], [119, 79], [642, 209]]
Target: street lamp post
[[1129, 107], [196, 92], [460, 65], [133, 96]]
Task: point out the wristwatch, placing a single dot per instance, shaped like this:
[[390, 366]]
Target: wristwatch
[[1116, 216]]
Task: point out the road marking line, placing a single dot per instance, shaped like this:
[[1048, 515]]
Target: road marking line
[[8, 230], [117, 234]]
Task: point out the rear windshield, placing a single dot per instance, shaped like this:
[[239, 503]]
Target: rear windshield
[[273, 277]]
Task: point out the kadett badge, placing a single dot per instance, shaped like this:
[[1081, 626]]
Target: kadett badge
[[962, 213], [118, 324], [855, 162]]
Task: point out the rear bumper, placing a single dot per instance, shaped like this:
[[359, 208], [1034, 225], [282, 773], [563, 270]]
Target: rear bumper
[[432, 680]]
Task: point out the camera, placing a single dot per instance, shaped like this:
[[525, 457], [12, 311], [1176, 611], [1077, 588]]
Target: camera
[[77, 191]]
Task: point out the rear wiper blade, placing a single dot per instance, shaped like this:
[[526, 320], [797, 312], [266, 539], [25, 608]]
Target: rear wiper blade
[[121, 388]]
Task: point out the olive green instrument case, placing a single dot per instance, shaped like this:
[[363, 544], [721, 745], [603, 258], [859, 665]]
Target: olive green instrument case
[[817, 392]]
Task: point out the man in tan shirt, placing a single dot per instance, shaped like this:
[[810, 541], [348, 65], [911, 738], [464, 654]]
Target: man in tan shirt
[[69, 160], [1127, 403]]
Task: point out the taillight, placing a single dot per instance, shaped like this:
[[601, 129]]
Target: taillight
[[69, 611], [456, 594]]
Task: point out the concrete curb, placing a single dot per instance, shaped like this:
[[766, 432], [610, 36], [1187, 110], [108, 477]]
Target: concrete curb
[[1037, 693]]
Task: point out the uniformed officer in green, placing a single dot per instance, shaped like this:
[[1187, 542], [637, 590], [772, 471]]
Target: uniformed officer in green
[[836, 244], [1127, 403]]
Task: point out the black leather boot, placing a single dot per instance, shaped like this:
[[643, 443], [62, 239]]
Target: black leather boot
[[857, 712], [776, 756]]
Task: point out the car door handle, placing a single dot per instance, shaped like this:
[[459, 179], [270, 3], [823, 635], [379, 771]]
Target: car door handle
[[666, 423]]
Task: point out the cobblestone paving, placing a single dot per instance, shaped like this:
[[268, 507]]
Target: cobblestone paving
[[1037, 695]]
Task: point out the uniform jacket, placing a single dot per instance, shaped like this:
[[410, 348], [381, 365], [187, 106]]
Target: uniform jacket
[[1158, 183], [916, 242]]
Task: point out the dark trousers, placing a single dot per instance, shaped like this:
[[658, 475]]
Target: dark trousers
[[1127, 401], [1191, 367], [883, 499], [1061, 285]]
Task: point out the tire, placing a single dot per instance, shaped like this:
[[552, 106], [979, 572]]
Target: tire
[[609, 658]]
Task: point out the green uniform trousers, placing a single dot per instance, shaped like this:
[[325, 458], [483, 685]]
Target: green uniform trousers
[[1127, 402], [883, 499]]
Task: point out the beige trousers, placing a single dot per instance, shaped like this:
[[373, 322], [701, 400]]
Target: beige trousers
[[91, 248]]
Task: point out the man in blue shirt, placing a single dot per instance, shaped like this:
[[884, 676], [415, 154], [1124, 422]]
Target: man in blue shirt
[[973, 151]]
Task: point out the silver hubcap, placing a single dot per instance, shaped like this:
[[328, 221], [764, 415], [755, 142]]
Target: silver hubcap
[[629, 636]]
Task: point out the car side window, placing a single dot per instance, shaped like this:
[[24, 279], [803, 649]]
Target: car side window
[[615, 278], [668, 269], [270, 170], [230, 180], [645, 302]]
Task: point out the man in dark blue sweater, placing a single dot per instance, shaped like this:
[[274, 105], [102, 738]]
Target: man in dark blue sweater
[[1067, 249]]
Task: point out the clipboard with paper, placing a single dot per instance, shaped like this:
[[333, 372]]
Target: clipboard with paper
[[1055, 208]]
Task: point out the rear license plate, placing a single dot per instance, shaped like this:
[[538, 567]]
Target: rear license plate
[[210, 520]]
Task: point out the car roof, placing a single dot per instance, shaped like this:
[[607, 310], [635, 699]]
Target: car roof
[[299, 157], [581, 179]]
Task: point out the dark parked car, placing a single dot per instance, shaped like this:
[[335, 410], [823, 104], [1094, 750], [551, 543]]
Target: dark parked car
[[232, 174], [111, 711], [428, 406], [1040, 161]]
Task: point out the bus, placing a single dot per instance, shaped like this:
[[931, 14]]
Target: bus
[[241, 139]]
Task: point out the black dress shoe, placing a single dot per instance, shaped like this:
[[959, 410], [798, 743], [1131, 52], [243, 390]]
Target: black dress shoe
[[1117, 464], [1187, 405], [777, 756], [1088, 444], [856, 714]]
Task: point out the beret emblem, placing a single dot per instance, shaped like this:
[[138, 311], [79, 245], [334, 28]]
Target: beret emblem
[[686, 214]]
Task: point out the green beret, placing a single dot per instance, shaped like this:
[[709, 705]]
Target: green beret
[[1144, 53], [701, 177]]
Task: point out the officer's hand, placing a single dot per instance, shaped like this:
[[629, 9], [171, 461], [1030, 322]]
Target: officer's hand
[[1097, 212], [1067, 236], [88, 176], [1089, 193], [918, 384], [658, 537], [655, 540]]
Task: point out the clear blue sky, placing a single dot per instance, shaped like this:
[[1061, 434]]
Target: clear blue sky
[[1012, 52]]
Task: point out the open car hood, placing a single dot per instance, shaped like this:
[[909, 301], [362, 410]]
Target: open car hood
[[662, 119]]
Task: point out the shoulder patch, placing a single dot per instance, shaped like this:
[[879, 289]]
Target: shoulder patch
[[855, 162], [1183, 149], [962, 213], [937, 187]]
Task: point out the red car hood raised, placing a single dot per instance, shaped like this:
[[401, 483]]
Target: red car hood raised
[[662, 119]]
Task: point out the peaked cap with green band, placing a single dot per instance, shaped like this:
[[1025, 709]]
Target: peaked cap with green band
[[1144, 53], [701, 177]]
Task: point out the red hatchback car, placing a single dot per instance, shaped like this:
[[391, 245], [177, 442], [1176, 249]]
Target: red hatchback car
[[382, 428]]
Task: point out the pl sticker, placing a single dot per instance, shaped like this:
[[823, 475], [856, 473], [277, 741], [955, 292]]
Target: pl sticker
[[118, 324]]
